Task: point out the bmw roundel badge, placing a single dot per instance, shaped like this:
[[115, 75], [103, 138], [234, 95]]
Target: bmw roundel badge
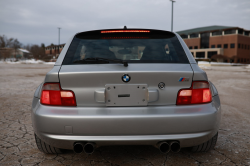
[[126, 78]]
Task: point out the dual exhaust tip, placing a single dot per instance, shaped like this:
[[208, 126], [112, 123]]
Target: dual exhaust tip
[[165, 147], [88, 148]]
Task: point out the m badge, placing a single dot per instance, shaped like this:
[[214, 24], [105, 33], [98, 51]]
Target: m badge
[[183, 79]]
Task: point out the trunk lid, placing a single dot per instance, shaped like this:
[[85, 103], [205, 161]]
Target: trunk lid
[[89, 82]]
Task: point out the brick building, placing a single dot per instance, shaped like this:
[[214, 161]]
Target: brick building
[[231, 42], [54, 50]]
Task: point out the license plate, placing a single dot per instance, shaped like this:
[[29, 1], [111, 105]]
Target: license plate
[[126, 95]]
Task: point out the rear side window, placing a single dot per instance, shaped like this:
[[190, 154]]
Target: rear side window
[[133, 48]]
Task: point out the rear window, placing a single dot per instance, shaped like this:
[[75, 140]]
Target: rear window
[[152, 47]]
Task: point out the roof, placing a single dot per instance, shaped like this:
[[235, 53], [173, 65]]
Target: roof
[[24, 50], [203, 29]]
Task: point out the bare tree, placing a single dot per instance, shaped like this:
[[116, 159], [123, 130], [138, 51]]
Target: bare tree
[[5, 53], [5, 42], [16, 44]]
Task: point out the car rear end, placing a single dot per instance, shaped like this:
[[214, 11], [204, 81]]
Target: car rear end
[[162, 96]]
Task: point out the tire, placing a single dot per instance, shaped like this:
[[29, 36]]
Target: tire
[[45, 148], [206, 146]]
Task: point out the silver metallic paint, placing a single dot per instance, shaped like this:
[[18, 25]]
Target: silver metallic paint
[[192, 125], [85, 79], [199, 74], [52, 75]]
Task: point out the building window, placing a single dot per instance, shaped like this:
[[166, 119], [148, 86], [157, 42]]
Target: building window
[[248, 46], [245, 60], [200, 54], [192, 53], [195, 47], [238, 60], [184, 36], [211, 53], [219, 46], [225, 45], [205, 40], [240, 31], [194, 35], [212, 46], [231, 31], [190, 47], [232, 45], [216, 33], [239, 45], [246, 33], [245, 46]]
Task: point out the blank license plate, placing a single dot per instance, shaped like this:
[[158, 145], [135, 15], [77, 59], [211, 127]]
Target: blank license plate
[[126, 95]]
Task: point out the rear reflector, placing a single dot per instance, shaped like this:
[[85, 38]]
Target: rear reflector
[[52, 94], [199, 93], [121, 31]]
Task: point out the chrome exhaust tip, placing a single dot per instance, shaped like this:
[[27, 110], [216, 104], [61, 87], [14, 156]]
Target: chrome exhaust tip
[[89, 148], [175, 146], [163, 147], [78, 147]]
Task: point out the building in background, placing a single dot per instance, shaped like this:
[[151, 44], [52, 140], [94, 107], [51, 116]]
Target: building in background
[[54, 50], [13, 54], [228, 44]]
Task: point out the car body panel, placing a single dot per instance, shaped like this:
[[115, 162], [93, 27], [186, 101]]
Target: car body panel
[[52, 75], [84, 80], [92, 123], [199, 74]]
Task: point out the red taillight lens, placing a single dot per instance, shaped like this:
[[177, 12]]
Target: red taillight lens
[[52, 94], [199, 93], [120, 31]]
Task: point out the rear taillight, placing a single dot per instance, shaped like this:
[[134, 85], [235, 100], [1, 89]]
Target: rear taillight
[[52, 94], [199, 93]]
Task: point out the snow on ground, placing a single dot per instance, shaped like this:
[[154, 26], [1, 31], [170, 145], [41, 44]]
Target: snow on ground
[[28, 61], [219, 63]]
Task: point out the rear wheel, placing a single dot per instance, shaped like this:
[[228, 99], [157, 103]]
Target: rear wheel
[[43, 147], [206, 146]]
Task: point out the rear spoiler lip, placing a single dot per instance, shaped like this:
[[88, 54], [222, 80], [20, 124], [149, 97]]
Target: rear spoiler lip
[[99, 30]]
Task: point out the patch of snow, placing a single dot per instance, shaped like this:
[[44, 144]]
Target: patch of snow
[[49, 63], [203, 62], [205, 67]]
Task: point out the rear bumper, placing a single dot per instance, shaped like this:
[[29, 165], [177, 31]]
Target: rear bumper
[[62, 126]]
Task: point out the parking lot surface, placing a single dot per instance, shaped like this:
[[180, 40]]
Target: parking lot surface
[[17, 144]]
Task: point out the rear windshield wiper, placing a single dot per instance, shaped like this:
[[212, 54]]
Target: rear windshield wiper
[[89, 60]]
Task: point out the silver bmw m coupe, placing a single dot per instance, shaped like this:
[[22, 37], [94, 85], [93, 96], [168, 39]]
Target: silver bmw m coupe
[[126, 87]]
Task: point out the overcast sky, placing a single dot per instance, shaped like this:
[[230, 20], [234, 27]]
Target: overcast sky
[[36, 21]]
